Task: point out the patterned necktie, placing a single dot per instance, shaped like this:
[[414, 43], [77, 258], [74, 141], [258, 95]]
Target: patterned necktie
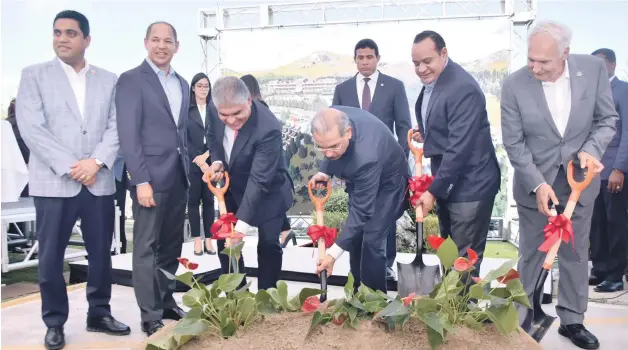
[[366, 95]]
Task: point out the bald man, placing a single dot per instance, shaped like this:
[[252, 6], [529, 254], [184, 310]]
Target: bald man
[[362, 151]]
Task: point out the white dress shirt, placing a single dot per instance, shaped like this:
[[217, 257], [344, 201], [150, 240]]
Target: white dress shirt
[[359, 82], [611, 78], [202, 110], [78, 82]]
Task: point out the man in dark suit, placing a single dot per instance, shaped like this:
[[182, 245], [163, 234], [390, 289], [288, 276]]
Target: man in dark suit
[[609, 225], [246, 142], [453, 124], [384, 97], [360, 150], [152, 103]]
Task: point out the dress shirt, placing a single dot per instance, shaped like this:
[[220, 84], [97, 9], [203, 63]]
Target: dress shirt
[[78, 83], [172, 87], [611, 78], [359, 80], [427, 93], [202, 110]]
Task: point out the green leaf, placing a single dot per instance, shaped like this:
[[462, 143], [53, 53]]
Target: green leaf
[[395, 308], [447, 253], [297, 301], [228, 329], [517, 292], [192, 327], [435, 339], [246, 308], [185, 278], [472, 322], [356, 303], [502, 270], [478, 291], [282, 292], [349, 286], [375, 306], [194, 313], [500, 293], [505, 318], [318, 318], [432, 321], [234, 250], [229, 282], [264, 302], [193, 298], [182, 339], [426, 305], [166, 342], [352, 312], [244, 292]]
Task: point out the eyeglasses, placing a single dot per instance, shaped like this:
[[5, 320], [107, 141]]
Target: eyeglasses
[[204, 87], [332, 149]]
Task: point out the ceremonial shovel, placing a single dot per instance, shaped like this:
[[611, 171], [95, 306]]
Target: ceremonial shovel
[[417, 277], [222, 207], [537, 322], [319, 203]]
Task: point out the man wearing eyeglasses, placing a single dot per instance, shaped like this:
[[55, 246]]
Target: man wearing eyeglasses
[[361, 150]]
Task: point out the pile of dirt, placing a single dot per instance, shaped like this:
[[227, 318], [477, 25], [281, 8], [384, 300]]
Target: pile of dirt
[[288, 330]]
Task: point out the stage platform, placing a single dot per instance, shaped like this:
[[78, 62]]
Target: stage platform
[[298, 265]]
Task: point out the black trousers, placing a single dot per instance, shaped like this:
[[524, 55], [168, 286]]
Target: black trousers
[[467, 223], [609, 234], [157, 241], [55, 219], [199, 192], [269, 254], [391, 245], [120, 198]]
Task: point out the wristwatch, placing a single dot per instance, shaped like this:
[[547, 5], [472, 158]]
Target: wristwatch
[[99, 163]]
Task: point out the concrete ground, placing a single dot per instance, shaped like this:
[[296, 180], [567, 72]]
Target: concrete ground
[[23, 329]]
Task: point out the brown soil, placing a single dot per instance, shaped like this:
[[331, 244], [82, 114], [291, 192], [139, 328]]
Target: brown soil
[[288, 330]]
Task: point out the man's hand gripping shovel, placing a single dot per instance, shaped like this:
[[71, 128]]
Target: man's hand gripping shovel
[[219, 193]]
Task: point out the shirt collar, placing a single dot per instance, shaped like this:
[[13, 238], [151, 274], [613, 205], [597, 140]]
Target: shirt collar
[[373, 76], [611, 78], [69, 70], [159, 71]]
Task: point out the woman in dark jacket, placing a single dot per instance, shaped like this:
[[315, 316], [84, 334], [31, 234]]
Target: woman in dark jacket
[[286, 231], [201, 108]]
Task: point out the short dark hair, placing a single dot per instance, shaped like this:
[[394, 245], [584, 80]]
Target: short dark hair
[[438, 40], [150, 27], [77, 16], [607, 53], [366, 44]]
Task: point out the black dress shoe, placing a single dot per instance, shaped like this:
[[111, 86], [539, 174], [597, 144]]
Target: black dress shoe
[[107, 325], [55, 339], [390, 274], [151, 327], [209, 252], [594, 280], [174, 314], [579, 335], [609, 287]]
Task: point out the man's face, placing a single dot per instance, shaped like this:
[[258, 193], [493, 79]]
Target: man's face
[[610, 67], [366, 61], [161, 45], [428, 61], [234, 115], [544, 60], [331, 143], [68, 41]]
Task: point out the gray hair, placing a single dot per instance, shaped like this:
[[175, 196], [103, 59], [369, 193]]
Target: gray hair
[[322, 122], [230, 90], [559, 32]]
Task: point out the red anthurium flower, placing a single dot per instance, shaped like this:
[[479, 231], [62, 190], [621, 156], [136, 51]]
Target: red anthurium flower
[[223, 224], [463, 264], [407, 300], [435, 241], [339, 320], [183, 261], [311, 304], [510, 275], [188, 264]]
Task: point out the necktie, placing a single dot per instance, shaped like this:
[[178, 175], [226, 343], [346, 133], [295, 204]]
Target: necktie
[[366, 95]]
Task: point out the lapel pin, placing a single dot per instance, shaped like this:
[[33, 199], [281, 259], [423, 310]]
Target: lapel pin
[[382, 84], [578, 74], [93, 72]]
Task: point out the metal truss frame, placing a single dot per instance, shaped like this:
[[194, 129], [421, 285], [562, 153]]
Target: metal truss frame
[[213, 21]]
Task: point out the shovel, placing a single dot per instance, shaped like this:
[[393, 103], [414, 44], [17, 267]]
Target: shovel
[[219, 193], [537, 322], [417, 277], [319, 203]]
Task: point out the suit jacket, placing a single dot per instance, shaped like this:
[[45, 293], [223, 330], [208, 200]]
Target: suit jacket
[[198, 131], [260, 186], [616, 155], [458, 138], [152, 145], [52, 127], [534, 146], [389, 104], [374, 163]]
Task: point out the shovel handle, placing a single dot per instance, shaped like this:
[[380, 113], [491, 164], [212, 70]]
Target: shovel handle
[[416, 152], [220, 197], [576, 190], [319, 202]]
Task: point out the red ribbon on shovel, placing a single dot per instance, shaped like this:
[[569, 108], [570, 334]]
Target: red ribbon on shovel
[[317, 232], [558, 227], [418, 185]]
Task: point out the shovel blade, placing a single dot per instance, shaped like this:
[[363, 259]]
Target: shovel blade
[[540, 321], [419, 279]]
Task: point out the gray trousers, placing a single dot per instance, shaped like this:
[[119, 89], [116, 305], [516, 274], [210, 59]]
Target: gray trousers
[[573, 287]]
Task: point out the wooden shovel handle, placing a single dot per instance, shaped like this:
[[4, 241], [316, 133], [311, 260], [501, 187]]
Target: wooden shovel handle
[[319, 203], [417, 152], [218, 192], [576, 190]]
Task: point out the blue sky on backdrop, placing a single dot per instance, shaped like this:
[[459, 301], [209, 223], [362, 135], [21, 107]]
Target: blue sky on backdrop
[[118, 29]]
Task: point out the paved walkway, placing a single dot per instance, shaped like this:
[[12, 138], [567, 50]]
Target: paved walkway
[[22, 327]]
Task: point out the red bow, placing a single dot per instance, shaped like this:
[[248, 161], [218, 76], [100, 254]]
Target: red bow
[[317, 231], [418, 185], [559, 227], [223, 224]]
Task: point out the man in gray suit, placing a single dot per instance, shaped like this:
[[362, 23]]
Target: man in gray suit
[[152, 101], [557, 109], [67, 118], [384, 97], [609, 227]]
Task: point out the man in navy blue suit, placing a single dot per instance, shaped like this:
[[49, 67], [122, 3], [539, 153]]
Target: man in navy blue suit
[[609, 225], [453, 124]]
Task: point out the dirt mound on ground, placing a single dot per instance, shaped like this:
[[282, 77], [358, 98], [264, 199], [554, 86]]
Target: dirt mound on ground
[[288, 330]]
